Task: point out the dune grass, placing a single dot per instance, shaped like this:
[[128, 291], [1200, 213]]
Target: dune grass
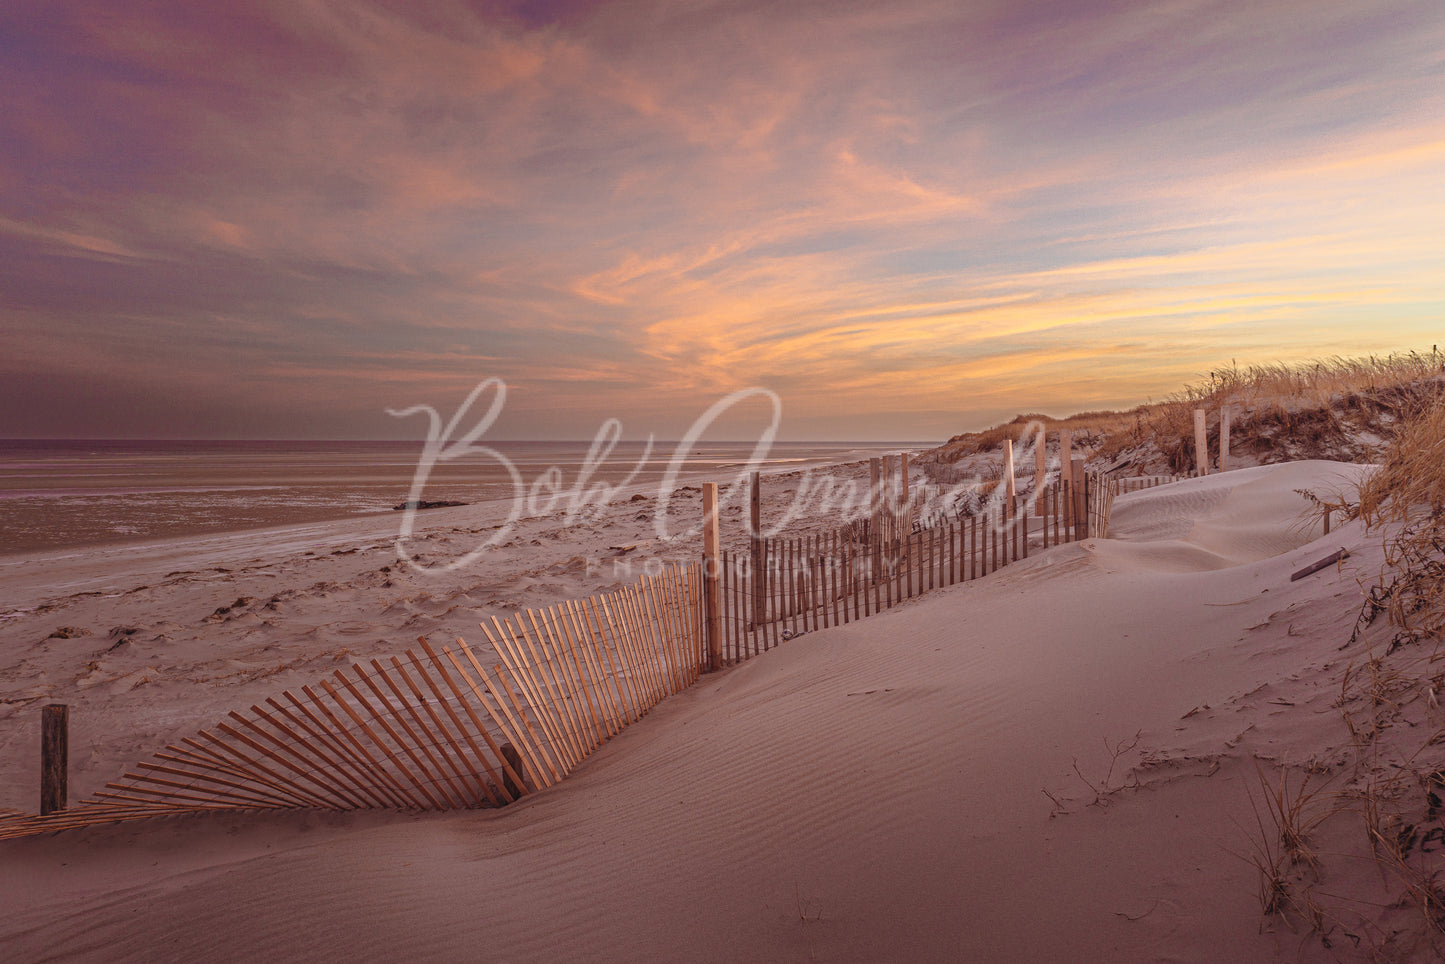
[[1316, 409], [1390, 700], [1340, 408]]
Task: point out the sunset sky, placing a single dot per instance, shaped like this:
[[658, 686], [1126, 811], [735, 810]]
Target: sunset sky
[[908, 219]]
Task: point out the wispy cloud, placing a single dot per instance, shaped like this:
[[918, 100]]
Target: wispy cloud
[[907, 219]]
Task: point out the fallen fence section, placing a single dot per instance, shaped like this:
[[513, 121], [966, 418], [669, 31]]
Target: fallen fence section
[[433, 728]]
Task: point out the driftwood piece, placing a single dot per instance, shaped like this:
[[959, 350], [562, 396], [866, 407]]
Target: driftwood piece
[[1315, 567]]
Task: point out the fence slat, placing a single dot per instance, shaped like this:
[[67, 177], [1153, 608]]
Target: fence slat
[[549, 644], [581, 685], [422, 738], [511, 731], [420, 783], [507, 649], [552, 693], [627, 687], [345, 762], [308, 768], [448, 744], [592, 652], [387, 778], [497, 778], [511, 697]]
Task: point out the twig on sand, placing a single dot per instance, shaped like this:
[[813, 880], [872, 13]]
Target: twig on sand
[[1106, 786], [803, 916], [1058, 805], [1152, 907]]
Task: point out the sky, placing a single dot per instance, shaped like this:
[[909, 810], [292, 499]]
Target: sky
[[906, 219]]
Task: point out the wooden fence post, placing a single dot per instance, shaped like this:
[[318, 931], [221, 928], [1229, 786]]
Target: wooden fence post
[[890, 498], [1066, 474], [711, 572], [1041, 462], [54, 756], [1081, 504], [1201, 443], [875, 526], [513, 760], [1010, 493], [1224, 439], [905, 508], [759, 574]]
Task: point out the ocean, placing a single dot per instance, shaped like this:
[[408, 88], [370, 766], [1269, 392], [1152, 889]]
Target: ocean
[[58, 494]]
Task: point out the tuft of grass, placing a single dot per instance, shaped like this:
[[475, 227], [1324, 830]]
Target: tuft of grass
[[1412, 476], [1296, 814], [1409, 489]]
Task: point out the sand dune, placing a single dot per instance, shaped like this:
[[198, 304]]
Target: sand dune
[[873, 792]]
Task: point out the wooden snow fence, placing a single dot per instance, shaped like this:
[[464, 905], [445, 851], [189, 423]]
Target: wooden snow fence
[[1104, 489], [780, 588], [783, 587], [433, 728]]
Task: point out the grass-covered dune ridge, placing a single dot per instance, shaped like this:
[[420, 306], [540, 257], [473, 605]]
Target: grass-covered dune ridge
[[1343, 409]]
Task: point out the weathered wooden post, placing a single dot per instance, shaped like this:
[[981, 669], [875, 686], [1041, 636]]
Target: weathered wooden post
[[54, 756], [1201, 443], [875, 523], [1066, 474], [1224, 439], [890, 513], [1041, 462], [711, 574], [890, 497], [1081, 505], [1008, 478], [903, 491], [760, 577], [514, 761]]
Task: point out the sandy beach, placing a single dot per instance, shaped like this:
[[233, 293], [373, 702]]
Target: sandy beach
[[383, 570], [1055, 762], [230, 618]]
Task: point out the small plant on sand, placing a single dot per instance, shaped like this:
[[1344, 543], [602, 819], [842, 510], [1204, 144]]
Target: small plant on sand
[[1296, 813], [1269, 859], [1283, 852], [1104, 787]]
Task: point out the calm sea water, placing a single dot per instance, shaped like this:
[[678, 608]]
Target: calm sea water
[[67, 493]]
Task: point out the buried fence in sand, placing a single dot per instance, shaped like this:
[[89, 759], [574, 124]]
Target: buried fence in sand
[[430, 730], [436, 730]]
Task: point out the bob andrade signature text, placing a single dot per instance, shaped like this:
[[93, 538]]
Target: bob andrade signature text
[[843, 500]]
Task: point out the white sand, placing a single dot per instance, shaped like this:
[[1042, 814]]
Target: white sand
[[874, 792]]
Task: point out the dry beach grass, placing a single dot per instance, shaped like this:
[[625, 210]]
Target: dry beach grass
[[1344, 409], [1350, 851]]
